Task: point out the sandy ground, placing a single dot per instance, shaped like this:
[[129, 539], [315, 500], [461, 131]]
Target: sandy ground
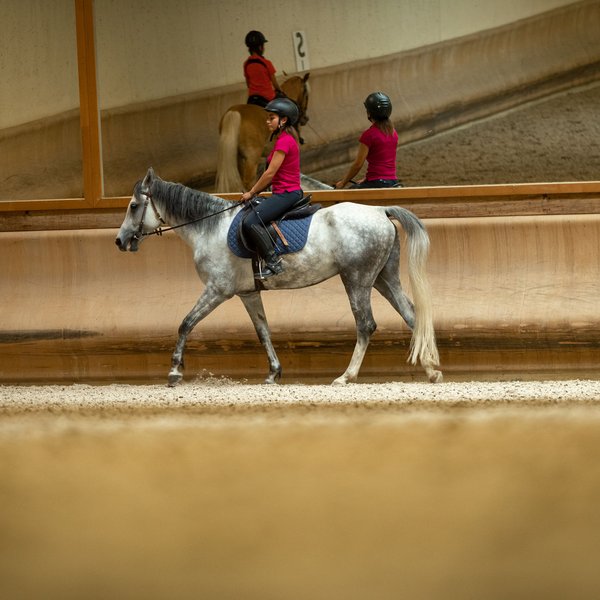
[[219, 489], [554, 139]]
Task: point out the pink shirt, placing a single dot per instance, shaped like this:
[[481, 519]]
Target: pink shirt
[[381, 158], [287, 178], [258, 71]]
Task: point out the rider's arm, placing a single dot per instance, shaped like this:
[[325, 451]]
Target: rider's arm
[[355, 167], [265, 179]]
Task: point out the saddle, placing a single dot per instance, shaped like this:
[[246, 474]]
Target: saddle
[[290, 231]]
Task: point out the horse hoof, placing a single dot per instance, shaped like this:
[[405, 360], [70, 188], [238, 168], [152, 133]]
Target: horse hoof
[[436, 377], [174, 379], [340, 380], [273, 376]]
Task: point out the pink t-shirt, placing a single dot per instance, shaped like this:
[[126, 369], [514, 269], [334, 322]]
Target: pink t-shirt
[[381, 158], [258, 71], [287, 178]]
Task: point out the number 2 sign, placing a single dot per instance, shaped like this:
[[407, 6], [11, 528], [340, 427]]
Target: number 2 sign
[[300, 50]]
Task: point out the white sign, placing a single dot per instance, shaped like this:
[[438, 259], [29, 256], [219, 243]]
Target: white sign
[[301, 50]]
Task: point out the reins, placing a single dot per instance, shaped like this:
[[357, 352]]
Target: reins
[[159, 231]]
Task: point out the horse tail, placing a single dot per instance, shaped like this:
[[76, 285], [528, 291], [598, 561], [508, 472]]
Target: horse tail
[[228, 176], [422, 344]]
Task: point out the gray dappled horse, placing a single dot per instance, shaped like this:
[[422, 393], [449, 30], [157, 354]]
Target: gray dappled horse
[[358, 243]]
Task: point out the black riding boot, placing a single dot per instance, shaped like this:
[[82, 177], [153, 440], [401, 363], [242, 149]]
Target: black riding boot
[[264, 245]]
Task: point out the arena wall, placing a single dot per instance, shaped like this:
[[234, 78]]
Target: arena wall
[[513, 294]]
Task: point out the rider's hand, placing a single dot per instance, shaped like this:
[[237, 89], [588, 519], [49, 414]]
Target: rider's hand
[[247, 196], [339, 185]]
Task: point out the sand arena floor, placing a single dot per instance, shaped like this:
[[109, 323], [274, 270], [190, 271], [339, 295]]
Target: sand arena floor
[[220, 489]]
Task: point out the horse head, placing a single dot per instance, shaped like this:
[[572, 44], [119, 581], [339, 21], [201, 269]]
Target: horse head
[[296, 88], [139, 221]]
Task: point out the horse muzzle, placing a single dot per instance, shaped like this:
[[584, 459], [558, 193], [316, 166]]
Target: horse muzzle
[[131, 244]]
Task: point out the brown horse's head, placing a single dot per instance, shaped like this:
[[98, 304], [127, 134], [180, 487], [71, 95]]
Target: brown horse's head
[[296, 89]]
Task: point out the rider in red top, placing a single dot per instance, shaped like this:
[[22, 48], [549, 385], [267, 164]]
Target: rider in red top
[[283, 175], [259, 72], [377, 146]]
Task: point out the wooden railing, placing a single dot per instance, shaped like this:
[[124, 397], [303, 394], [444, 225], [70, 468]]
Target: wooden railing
[[426, 202]]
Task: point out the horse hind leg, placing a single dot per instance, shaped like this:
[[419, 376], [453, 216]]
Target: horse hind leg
[[389, 286], [360, 303], [249, 167]]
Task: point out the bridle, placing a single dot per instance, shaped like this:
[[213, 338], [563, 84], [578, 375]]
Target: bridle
[[301, 104], [139, 234]]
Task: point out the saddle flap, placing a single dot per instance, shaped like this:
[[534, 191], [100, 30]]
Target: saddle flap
[[294, 230]]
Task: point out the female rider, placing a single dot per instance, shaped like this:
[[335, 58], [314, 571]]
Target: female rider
[[259, 72], [283, 174], [377, 146]]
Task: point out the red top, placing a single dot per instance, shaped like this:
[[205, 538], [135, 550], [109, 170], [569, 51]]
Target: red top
[[287, 178], [258, 71], [381, 158]]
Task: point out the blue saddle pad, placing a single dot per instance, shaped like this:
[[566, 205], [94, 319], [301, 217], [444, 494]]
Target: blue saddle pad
[[295, 232]]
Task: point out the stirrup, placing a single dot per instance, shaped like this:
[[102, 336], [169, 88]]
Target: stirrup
[[271, 268]]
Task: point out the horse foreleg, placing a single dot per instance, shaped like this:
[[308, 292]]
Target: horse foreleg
[[254, 306], [360, 303], [208, 301]]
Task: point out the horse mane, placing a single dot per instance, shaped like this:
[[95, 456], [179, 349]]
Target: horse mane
[[181, 204]]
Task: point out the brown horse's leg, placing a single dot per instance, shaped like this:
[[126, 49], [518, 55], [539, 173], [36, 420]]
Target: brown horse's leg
[[249, 167]]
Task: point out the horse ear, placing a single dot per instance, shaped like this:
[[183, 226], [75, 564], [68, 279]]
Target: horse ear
[[148, 179], [306, 76]]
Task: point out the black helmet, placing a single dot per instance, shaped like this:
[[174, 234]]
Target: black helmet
[[379, 106], [254, 39], [284, 107]]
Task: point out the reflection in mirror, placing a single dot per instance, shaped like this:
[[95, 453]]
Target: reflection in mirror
[[458, 78], [40, 140]]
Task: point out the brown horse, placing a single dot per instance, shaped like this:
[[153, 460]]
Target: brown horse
[[243, 134]]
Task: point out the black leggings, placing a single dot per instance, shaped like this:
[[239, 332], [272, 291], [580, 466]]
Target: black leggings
[[271, 208], [258, 100], [377, 183]]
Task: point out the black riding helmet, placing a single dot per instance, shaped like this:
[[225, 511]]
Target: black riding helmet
[[284, 107], [255, 39], [379, 106]]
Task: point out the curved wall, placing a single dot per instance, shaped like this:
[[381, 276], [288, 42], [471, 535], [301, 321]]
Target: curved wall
[[511, 295], [149, 50]]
